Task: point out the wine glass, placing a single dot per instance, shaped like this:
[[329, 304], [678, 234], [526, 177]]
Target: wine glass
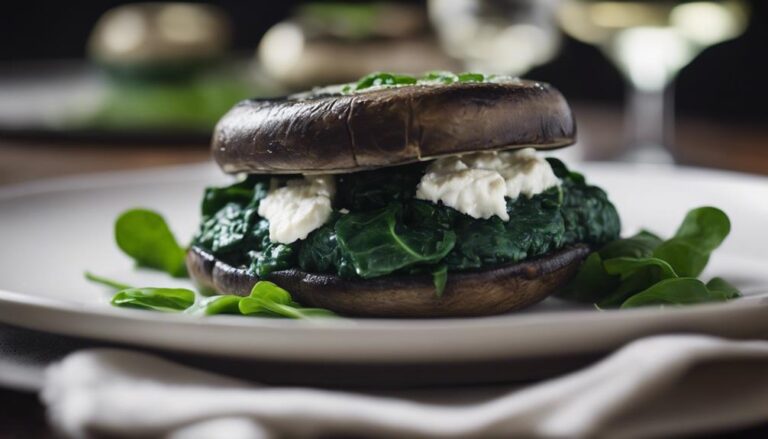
[[650, 41], [497, 36]]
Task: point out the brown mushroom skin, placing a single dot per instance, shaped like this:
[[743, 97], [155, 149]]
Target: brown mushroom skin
[[472, 293], [387, 127]]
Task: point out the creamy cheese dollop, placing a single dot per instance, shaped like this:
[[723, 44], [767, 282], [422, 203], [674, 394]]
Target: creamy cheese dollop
[[476, 192], [477, 184], [298, 208]]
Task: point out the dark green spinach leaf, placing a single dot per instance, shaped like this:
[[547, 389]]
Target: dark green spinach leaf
[[321, 253], [377, 244], [275, 257], [252, 188], [376, 189]]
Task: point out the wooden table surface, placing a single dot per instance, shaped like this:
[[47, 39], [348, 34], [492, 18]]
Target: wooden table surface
[[697, 142]]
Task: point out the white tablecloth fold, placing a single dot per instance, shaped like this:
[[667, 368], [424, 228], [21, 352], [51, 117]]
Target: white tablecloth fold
[[660, 385]]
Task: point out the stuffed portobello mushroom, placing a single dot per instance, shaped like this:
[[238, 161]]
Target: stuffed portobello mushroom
[[401, 196]]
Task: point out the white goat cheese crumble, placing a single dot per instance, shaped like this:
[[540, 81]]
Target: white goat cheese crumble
[[477, 184], [298, 208]]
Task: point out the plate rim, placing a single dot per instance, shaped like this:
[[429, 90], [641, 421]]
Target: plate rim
[[26, 303], [14, 306]]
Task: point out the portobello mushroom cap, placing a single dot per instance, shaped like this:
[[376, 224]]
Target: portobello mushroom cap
[[322, 132], [474, 293]]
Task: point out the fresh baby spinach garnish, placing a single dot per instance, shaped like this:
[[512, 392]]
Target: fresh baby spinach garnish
[[269, 300], [144, 236], [702, 231], [645, 270], [111, 283], [640, 245], [156, 299], [625, 267], [266, 300], [220, 304], [683, 291]]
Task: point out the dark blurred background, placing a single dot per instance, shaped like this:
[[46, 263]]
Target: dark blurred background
[[94, 86], [727, 81]]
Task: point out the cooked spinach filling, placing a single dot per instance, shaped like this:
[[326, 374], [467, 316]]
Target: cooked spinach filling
[[387, 231]]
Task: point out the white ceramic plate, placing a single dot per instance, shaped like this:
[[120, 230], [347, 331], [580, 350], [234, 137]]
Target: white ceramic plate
[[51, 232]]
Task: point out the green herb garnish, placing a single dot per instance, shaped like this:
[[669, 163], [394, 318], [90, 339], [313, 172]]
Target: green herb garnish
[[383, 79], [387, 79], [144, 236], [471, 77]]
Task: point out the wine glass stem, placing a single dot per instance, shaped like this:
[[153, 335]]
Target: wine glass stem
[[648, 122]]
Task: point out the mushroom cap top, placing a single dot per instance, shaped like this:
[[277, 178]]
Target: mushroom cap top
[[331, 131]]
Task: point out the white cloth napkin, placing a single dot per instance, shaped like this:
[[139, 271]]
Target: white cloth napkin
[[662, 385]]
